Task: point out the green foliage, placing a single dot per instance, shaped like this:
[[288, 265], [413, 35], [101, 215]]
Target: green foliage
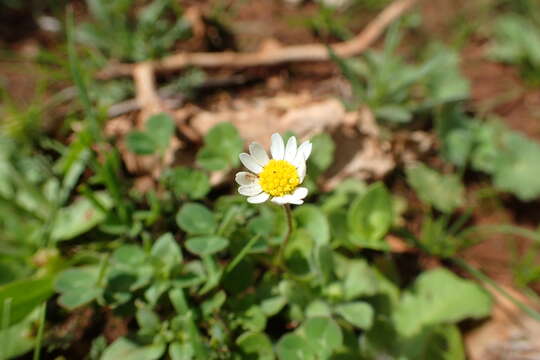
[[395, 90], [19, 298], [359, 314], [222, 144], [126, 349], [437, 297], [370, 217], [155, 138], [517, 42], [196, 219], [202, 279], [444, 192], [117, 34], [186, 182], [78, 286], [490, 147], [79, 217], [322, 154]]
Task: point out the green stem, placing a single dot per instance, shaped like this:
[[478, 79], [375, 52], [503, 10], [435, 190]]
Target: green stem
[[39, 339], [6, 318], [281, 251], [242, 254]]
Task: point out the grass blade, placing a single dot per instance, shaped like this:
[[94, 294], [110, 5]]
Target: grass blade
[[39, 338]]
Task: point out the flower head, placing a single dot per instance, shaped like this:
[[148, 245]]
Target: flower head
[[277, 178]]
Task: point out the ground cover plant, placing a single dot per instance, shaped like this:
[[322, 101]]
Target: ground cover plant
[[341, 209]]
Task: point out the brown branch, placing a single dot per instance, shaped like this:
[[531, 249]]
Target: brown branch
[[297, 53]]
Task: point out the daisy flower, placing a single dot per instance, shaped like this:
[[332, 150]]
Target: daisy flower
[[277, 178]]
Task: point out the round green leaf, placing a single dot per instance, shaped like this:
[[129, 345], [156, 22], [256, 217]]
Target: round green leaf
[[313, 220], [294, 347], [206, 245], [78, 286], [258, 344], [129, 255], [188, 182], [196, 219], [370, 217], [160, 128], [323, 333], [126, 349], [140, 143], [358, 313], [166, 252]]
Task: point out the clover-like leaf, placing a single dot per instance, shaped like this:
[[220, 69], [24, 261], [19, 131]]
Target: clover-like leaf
[[438, 296]]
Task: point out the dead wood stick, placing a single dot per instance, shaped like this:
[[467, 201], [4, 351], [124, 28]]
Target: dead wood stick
[[275, 56]]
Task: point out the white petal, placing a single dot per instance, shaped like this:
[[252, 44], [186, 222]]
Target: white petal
[[281, 200], [301, 168], [305, 149], [277, 148], [298, 159], [250, 163], [300, 193], [258, 154], [250, 190], [245, 178], [290, 149], [295, 201], [262, 197]]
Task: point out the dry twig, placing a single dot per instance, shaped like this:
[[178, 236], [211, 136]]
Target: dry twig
[[275, 56]]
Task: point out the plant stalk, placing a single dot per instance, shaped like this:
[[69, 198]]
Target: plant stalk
[[281, 251]]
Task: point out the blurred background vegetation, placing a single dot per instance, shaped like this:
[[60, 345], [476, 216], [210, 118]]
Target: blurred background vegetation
[[121, 232]]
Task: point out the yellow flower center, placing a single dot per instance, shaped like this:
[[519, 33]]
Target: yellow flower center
[[278, 178]]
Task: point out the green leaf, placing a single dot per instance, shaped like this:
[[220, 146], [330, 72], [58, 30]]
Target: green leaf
[[78, 286], [359, 314], [211, 160], [273, 305], [518, 168], [126, 349], [207, 245], [129, 256], [214, 303], [156, 137], [322, 155], [166, 253], [20, 337], [222, 145], [148, 320], [294, 347], [179, 351], [323, 334], [457, 134], [23, 297], [188, 182], [324, 261], [196, 219], [314, 221], [439, 296], [160, 128], [318, 308], [79, 217], [255, 344], [444, 192], [394, 114], [253, 319], [370, 217], [141, 143], [360, 280]]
